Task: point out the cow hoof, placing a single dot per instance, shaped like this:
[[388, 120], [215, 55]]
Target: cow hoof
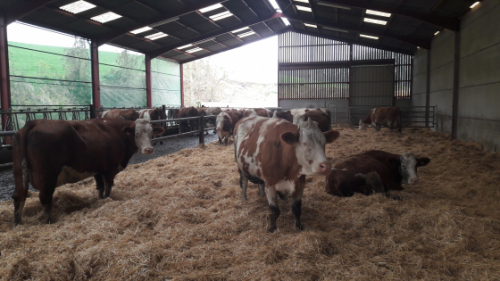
[[271, 229], [244, 198], [299, 226]]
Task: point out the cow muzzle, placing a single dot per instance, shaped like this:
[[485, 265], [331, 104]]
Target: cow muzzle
[[324, 168], [413, 181], [148, 151]]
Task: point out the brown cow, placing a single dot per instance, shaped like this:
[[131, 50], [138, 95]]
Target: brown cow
[[127, 114], [225, 123], [287, 115], [373, 171], [277, 155], [257, 112], [50, 153], [188, 125], [204, 111], [389, 117]]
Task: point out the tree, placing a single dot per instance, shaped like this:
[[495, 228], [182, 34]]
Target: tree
[[204, 82]]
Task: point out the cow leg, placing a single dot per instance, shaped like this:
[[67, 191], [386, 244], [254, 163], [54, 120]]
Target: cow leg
[[21, 190], [262, 191], [243, 185], [99, 181], [225, 140], [45, 196], [273, 207], [297, 201], [108, 184], [377, 127], [220, 141]]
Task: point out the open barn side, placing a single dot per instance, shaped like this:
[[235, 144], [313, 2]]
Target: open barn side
[[180, 217]]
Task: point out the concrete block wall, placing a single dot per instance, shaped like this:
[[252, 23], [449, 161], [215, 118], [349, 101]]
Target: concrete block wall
[[479, 77]]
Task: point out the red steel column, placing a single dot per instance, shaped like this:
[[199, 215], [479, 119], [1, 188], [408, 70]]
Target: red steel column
[[94, 62], [149, 92], [4, 70], [182, 85]]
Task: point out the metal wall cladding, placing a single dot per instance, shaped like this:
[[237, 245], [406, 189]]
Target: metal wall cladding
[[322, 82], [372, 86]]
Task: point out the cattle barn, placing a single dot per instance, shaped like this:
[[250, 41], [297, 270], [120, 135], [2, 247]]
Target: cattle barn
[[181, 216]]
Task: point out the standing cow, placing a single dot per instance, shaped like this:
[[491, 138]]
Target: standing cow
[[257, 112], [373, 171], [50, 153], [156, 113], [188, 125], [277, 155], [225, 123], [389, 117], [127, 114]]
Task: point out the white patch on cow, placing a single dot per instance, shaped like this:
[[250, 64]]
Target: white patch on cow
[[310, 150], [408, 168], [103, 115], [219, 121], [143, 135], [70, 175], [285, 187], [297, 115], [253, 113], [144, 114]]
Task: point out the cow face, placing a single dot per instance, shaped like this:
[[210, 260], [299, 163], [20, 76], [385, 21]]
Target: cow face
[[219, 122], [362, 125], [408, 167], [310, 147], [143, 131]]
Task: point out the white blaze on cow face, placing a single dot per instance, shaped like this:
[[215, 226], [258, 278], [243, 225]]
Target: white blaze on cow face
[[143, 133], [362, 125], [219, 123], [408, 167], [310, 149]]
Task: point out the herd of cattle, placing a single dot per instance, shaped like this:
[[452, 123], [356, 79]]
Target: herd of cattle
[[275, 150]]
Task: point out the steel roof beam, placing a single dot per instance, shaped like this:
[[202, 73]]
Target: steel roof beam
[[361, 29], [234, 47], [22, 9], [449, 23], [163, 50], [352, 42], [103, 39]]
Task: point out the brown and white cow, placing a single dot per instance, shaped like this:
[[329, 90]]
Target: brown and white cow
[[50, 153], [319, 115], [257, 112], [225, 123], [208, 111], [373, 171], [277, 155], [287, 115], [156, 113], [389, 117], [127, 114]]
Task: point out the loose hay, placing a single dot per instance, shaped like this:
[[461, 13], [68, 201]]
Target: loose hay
[[180, 217]]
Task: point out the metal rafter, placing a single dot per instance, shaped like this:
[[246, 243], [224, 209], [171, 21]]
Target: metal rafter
[[103, 39], [351, 41], [234, 47], [160, 51], [449, 23], [22, 9], [361, 29]]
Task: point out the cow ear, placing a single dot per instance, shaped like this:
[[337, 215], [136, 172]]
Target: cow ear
[[289, 138], [331, 136], [129, 130], [157, 131], [423, 161]]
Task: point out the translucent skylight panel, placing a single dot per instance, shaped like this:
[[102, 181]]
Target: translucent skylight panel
[[240, 29], [311, 25], [302, 1], [285, 21], [377, 13], [474, 5], [77, 7], [156, 36], [141, 30], [246, 34], [210, 8], [369, 36], [197, 49], [220, 16], [437, 32], [275, 5], [109, 16], [302, 8], [333, 5], [336, 29], [369, 20], [185, 46]]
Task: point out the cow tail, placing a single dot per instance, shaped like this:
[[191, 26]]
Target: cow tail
[[20, 155]]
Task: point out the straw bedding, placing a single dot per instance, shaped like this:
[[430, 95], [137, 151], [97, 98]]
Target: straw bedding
[[180, 217]]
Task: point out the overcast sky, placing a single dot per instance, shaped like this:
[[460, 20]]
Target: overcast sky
[[256, 62]]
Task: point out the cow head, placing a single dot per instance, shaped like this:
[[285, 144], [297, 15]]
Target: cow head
[[408, 167], [309, 144], [219, 123], [362, 125], [143, 131]]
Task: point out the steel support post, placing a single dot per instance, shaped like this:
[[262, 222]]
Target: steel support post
[[456, 76], [96, 89], [202, 131], [149, 92], [428, 88], [4, 71], [182, 85]]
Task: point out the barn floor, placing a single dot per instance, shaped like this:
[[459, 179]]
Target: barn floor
[[180, 217]]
